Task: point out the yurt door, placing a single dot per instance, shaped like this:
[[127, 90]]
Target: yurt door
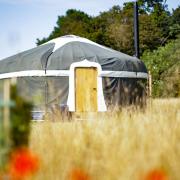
[[86, 89]]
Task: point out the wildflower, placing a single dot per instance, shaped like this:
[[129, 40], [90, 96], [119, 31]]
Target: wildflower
[[23, 163], [156, 175], [78, 174]]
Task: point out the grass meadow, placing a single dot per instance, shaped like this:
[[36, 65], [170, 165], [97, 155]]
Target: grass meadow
[[126, 145]]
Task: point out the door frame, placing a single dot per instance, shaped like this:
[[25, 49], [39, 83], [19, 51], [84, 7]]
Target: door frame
[[71, 96]]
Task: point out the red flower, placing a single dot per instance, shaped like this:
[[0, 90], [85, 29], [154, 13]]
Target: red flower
[[156, 175], [23, 163], [78, 174]]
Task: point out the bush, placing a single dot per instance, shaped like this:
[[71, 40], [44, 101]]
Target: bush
[[20, 120], [164, 64]]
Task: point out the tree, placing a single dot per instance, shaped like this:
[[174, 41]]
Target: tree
[[120, 32], [74, 22], [149, 33], [114, 28], [175, 19], [175, 23], [152, 6]]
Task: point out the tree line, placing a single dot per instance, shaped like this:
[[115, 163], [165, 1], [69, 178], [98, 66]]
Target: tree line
[[114, 28]]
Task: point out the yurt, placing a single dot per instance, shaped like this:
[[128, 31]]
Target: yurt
[[73, 71]]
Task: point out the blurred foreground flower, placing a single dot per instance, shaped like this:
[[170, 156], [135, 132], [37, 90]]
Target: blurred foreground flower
[[156, 175], [23, 163], [78, 174]]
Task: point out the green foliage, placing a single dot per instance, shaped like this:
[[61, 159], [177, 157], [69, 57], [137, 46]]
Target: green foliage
[[164, 64], [152, 6], [20, 120], [175, 23], [4, 147], [176, 16], [14, 133]]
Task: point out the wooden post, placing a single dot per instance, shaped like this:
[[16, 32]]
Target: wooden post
[[150, 87], [6, 113]]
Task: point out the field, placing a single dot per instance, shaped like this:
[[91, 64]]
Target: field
[[126, 145]]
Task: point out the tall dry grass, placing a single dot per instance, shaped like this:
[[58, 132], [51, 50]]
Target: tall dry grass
[[116, 146]]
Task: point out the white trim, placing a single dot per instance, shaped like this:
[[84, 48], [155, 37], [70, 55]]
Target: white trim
[[125, 74], [142, 75], [57, 72], [61, 41], [22, 74], [50, 73], [71, 96]]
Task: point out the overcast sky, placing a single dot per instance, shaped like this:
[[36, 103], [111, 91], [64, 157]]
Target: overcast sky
[[23, 21]]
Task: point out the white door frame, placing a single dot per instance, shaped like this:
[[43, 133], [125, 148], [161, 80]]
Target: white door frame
[[71, 96]]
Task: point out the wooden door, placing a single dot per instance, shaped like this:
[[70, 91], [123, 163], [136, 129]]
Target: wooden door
[[86, 89]]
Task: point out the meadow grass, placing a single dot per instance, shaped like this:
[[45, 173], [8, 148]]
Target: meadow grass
[[123, 145]]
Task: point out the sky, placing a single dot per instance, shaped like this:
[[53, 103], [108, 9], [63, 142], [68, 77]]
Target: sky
[[23, 21]]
